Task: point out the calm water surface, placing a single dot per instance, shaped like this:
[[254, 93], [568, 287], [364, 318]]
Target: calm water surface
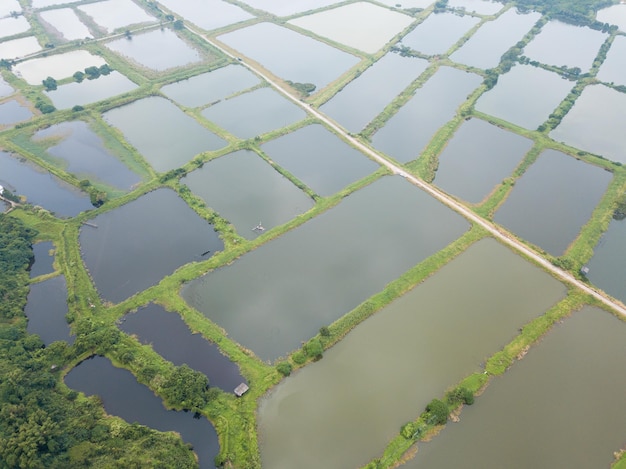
[[5, 88], [246, 190], [124, 397], [607, 268], [90, 91], [43, 259], [320, 159], [439, 32], [478, 158], [83, 153], [41, 188], [19, 48], [10, 26], [288, 7], [280, 294], [9, 6], [594, 123], [115, 14], [13, 111], [547, 206], [563, 405], [170, 337], [57, 66], [615, 14], [363, 98], [612, 69], [208, 14], [139, 243], [481, 7], [342, 411], [407, 132], [46, 308], [163, 134], [66, 21]]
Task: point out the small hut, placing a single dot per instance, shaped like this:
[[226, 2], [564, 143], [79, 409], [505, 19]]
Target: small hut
[[584, 270], [241, 389]]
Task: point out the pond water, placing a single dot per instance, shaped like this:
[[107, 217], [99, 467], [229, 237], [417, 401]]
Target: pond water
[[124, 397], [288, 7], [10, 26], [170, 337], [615, 14], [342, 411], [5, 88], [552, 200], [115, 14], [43, 260], [18, 48], [612, 69], [290, 55], [439, 32], [525, 96], [47, 3], [363, 98], [481, 7], [90, 91], [561, 406], [375, 26], [162, 133], [478, 158], [593, 124], [607, 269], [320, 159], [56, 66], [247, 191], [139, 243], [66, 21], [46, 308], [13, 111], [9, 6], [211, 87], [565, 44], [82, 152], [158, 50], [486, 46], [207, 14], [280, 294], [41, 188], [408, 131], [408, 3], [254, 113]]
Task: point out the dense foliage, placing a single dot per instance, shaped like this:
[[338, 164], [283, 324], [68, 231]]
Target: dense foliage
[[579, 12]]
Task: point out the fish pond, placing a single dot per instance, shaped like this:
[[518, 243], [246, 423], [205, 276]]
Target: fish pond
[[90, 91], [566, 399], [43, 260], [594, 123], [5, 88], [552, 200], [320, 159], [439, 32], [170, 337], [406, 134], [607, 268], [478, 158], [342, 411], [9, 6], [114, 14], [211, 87], [82, 152], [46, 308], [18, 48], [124, 397], [481, 7], [67, 23], [290, 55], [207, 14], [41, 188], [137, 244], [11, 26], [612, 69], [247, 191], [288, 7], [273, 298], [57, 66], [615, 14], [12, 112], [257, 112], [363, 98], [162, 133], [525, 96]]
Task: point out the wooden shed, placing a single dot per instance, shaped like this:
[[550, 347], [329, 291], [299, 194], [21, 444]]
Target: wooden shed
[[241, 389]]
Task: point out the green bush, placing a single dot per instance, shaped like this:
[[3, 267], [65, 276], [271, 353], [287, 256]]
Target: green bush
[[299, 358], [324, 331], [284, 368], [438, 411], [460, 395], [314, 349]]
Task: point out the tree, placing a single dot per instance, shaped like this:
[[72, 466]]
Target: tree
[[50, 84], [78, 76], [438, 412]]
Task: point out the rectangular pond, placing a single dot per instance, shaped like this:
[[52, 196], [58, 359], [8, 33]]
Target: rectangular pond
[[67, 23], [9, 6], [320, 159], [342, 411], [122, 395], [607, 269], [5, 88], [481, 7], [134, 246], [280, 294], [207, 14], [612, 69], [406, 134], [525, 96], [594, 123], [83, 153], [552, 200], [46, 308], [210, 87], [166, 136], [439, 32], [563, 405], [19, 48], [58, 66], [12, 112], [477, 158], [363, 98], [41, 188], [290, 55], [115, 14], [90, 91], [11, 26], [257, 112], [288, 7], [615, 14], [248, 192], [43, 260], [486, 46], [170, 337]]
